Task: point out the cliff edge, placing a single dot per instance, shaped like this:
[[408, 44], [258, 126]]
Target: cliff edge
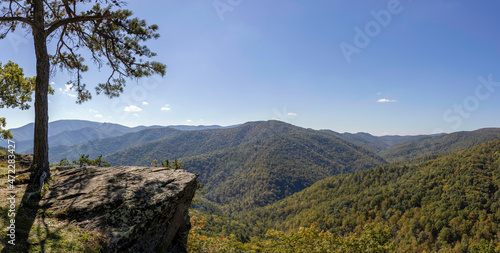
[[134, 209]]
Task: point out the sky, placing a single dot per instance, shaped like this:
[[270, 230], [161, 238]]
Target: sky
[[382, 67]]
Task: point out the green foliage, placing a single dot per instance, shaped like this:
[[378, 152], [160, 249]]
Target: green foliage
[[4, 133], [175, 165], [256, 163], [422, 148], [373, 238], [443, 204], [85, 161], [63, 162], [82, 161], [167, 164], [99, 162], [15, 91]]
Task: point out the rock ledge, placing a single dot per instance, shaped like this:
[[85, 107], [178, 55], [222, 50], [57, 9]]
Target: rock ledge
[[137, 209]]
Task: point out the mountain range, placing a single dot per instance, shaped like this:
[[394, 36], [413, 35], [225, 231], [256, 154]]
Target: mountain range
[[70, 132], [435, 192], [451, 202]]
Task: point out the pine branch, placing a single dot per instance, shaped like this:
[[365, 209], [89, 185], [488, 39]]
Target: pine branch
[[58, 23], [17, 19]]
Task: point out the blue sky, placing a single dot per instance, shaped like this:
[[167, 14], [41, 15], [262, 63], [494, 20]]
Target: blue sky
[[382, 67]]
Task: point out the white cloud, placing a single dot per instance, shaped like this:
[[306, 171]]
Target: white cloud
[[67, 91], [385, 100], [189, 121], [292, 114], [132, 108], [135, 114], [166, 108], [98, 116], [92, 110], [145, 103], [68, 86], [379, 93]]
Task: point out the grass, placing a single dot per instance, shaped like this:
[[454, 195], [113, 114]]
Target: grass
[[46, 232]]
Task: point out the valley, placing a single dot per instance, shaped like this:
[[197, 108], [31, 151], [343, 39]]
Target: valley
[[434, 193]]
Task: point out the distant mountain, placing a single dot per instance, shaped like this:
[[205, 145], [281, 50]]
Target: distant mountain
[[105, 146], [77, 136], [420, 147], [256, 163], [431, 146], [373, 143], [196, 128], [69, 132], [56, 127], [438, 205]]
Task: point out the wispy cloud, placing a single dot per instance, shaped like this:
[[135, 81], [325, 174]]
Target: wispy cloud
[[166, 108], [135, 114], [292, 114], [145, 103], [69, 86], [67, 91], [385, 100], [98, 116], [132, 108]]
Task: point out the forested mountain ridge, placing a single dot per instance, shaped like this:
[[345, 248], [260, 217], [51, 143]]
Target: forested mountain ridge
[[199, 142], [264, 171], [371, 142], [394, 148], [56, 127], [449, 203], [432, 146], [256, 163], [72, 132], [105, 146]]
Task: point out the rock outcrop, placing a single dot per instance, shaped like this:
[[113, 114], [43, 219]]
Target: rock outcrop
[[23, 159], [135, 209]]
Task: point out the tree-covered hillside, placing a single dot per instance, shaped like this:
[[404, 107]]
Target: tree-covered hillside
[[443, 204], [270, 169], [256, 163], [193, 143], [105, 146], [432, 146], [373, 143], [394, 148]]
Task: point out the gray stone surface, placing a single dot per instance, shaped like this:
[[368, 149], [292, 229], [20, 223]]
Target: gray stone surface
[[137, 209]]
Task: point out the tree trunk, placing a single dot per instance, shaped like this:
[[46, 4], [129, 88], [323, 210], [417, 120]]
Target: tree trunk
[[41, 144]]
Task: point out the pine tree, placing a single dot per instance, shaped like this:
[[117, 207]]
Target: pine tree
[[111, 35]]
